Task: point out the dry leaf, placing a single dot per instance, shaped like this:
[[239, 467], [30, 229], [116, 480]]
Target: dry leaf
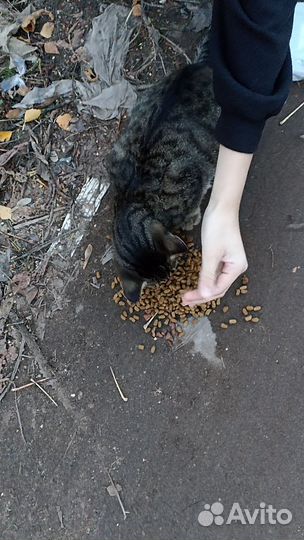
[[30, 293], [51, 48], [112, 490], [5, 136], [29, 22], [32, 114], [13, 114], [90, 74], [137, 10], [47, 30], [87, 255], [20, 282], [23, 90], [64, 120], [5, 212]]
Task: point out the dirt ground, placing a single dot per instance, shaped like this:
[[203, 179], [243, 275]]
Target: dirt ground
[[193, 431]]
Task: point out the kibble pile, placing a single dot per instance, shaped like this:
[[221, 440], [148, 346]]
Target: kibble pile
[[161, 308]]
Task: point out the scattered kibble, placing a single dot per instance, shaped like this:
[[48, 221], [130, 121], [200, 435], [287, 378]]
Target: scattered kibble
[[257, 308], [232, 321], [141, 347], [224, 325], [225, 309], [255, 319], [153, 349]]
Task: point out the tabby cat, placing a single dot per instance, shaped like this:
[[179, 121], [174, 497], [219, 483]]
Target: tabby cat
[[161, 168]]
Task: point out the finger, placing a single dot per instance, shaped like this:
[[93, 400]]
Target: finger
[[191, 296], [230, 272]]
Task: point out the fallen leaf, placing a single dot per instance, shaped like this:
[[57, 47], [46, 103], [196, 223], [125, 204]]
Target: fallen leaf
[[20, 282], [23, 90], [32, 114], [7, 156], [5, 136], [90, 74], [29, 22], [87, 255], [30, 293], [64, 120], [77, 38], [137, 10], [5, 212], [63, 44], [51, 48], [47, 30], [112, 490], [13, 114]]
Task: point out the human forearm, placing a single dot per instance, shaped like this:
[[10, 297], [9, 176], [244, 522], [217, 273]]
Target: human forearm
[[224, 257], [229, 181]]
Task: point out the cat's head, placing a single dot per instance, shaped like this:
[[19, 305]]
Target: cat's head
[[143, 248]]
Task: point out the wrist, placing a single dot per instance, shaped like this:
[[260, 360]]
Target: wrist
[[225, 210]]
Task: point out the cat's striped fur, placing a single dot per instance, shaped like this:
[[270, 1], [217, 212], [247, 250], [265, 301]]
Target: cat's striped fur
[[161, 168]]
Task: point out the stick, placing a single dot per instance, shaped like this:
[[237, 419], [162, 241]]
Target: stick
[[16, 367], [176, 47], [291, 114], [125, 512], [45, 392], [16, 388], [19, 419], [124, 398]]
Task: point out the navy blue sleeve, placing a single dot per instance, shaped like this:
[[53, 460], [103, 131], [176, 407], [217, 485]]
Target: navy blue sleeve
[[250, 57]]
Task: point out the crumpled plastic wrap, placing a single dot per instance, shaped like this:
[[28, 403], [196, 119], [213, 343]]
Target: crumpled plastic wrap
[[106, 47]]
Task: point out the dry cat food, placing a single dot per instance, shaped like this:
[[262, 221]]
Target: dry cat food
[[160, 306], [161, 303]]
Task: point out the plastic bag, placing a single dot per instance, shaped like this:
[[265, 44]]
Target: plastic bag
[[297, 43]]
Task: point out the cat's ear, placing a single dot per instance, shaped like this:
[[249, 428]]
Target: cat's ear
[[131, 285], [166, 242]]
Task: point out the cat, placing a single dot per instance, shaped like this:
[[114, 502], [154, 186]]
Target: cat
[[161, 168]]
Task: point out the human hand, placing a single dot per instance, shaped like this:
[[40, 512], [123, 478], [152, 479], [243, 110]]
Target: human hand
[[223, 259]]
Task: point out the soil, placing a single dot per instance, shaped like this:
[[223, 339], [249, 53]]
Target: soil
[[192, 431]]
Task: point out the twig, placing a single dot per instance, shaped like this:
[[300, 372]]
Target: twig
[[16, 388], [145, 64], [10, 235], [124, 398], [45, 392], [60, 516], [69, 444], [176, 47], [162, 63], [124, 511], [16, 367], [272, 256], [33, 221], [19, 419], [291, 114]]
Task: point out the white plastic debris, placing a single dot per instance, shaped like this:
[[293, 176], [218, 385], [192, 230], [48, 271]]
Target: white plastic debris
[[297, 43], [106, 47]]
